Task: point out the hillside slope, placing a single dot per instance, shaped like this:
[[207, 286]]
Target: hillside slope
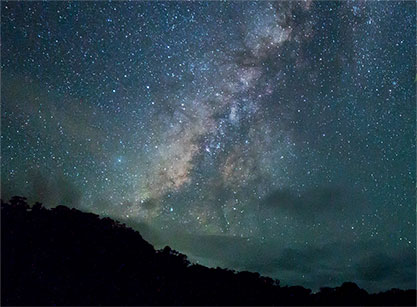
[[64, 256]]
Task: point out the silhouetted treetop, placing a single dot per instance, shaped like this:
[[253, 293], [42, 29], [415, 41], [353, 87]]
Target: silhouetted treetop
[[63, 256]]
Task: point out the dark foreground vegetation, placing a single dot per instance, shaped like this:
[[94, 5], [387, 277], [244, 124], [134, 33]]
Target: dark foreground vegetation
[[64, 256]]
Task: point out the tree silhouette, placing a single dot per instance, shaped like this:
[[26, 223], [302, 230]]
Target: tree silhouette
[[63, 256]]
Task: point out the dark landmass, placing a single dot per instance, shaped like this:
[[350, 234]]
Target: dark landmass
[[63, 256]]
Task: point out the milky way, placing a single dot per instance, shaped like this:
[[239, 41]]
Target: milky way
[[271, 137]]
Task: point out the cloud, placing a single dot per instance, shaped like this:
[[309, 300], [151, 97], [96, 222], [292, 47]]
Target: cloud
[[328, 264], [323, 204], [69, 119], [51, 190], [380, 266]]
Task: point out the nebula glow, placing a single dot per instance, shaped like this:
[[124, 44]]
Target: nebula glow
[[276, 137]]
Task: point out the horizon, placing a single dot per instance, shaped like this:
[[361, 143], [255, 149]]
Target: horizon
[[274, 137], [166, 248]]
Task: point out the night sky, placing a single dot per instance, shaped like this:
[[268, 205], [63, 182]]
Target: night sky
[[272, 137]]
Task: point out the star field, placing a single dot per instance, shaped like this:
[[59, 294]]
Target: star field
[[276, 137]]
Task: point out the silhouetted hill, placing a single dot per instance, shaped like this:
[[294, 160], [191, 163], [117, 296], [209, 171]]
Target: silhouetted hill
[[63, 256]]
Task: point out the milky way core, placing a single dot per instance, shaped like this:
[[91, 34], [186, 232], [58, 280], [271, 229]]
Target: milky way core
[[275, 137]]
